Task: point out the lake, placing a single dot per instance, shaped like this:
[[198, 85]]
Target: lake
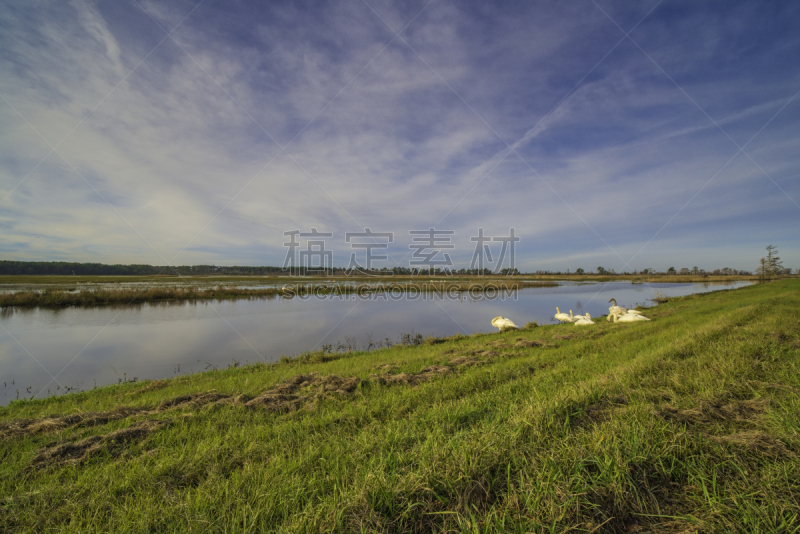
[[44, 349]]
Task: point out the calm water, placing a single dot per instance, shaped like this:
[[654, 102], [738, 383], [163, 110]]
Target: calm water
[[82, 347]]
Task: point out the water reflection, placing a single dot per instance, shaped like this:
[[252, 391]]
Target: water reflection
[[81, 347]]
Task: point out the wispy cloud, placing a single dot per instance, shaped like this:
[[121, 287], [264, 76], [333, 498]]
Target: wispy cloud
[[373, 137]]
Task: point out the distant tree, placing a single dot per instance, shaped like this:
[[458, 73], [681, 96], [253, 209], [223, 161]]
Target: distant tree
[[774, 262], [601, 270], [771, 264], [684, 270], [671, 270], [579, 271], [695, 270]]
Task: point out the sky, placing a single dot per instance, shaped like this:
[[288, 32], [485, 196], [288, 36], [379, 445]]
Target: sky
[[628, 135]]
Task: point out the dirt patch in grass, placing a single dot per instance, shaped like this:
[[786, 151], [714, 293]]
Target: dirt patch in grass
[[195, 400], [114, 443], [281, 398], [410, 379], [28, 427], [779, 336], [466, 361], [715, 412], [286, 396], [293, 393], [529, 343], [338, 384], [600, 411], [757, 442], [565, 336], [277, 402]]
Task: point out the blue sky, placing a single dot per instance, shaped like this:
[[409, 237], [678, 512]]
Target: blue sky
[[628, 135]]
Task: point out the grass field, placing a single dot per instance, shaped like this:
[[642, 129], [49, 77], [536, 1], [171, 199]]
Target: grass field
[[688, 423]]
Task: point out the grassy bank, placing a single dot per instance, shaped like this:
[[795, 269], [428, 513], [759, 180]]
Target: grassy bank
[[59, 298], [688, 423]]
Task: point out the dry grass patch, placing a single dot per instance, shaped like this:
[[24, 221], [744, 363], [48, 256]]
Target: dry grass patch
[[20, 428], [75, 453], [466, 361], [410, 379], [739, 411]]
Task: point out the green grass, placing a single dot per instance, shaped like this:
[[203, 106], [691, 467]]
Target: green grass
[[688, 423]]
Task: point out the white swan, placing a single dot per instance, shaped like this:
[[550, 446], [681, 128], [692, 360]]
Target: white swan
[[616, 310], [563, 317], [504, 324], [628, 318], [584, 320]]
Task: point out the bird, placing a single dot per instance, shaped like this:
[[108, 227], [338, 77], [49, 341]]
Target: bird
[[616, 310], [504, 324], [584, 320], [628, 318], [563, 317], [635, 313]]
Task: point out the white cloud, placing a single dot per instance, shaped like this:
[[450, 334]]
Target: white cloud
[[389, 144]]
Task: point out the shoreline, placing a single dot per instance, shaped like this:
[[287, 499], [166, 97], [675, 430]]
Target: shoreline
[[78, 291], [21, 279], [60, 298]]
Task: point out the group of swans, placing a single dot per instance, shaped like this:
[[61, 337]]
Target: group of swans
[[580, 320], [618, 314]]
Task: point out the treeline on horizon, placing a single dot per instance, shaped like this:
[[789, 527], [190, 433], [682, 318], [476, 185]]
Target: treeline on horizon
[[84, 269], [8, 267]]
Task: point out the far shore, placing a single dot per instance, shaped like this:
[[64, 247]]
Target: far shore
[[25, 279], [60, 298], [60, 291]]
